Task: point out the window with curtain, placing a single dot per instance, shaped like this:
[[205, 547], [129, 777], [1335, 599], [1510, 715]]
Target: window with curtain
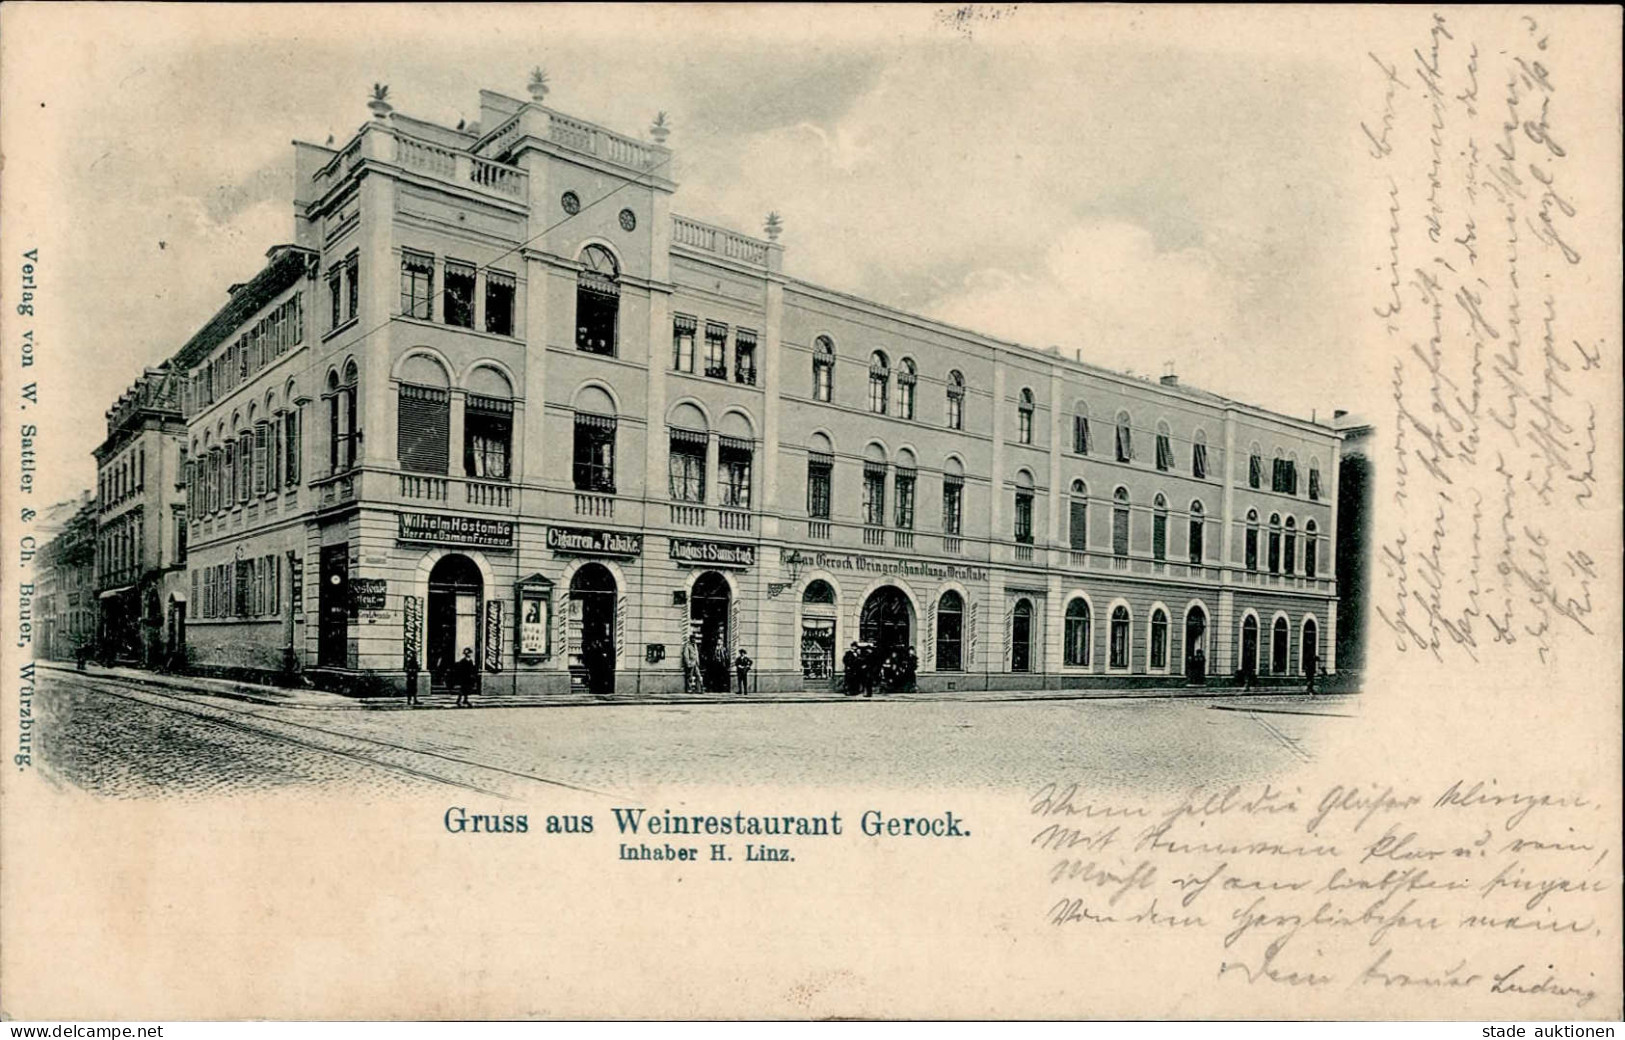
[[1024, 517], [745, 356], [683, 330], [716, 350], [733, 470], [487, 437], [598, 301], [499, 302], [593, 467], [953, 503], [903, 512], [458, 302], [417, 285], [1077, 634], [820, 473], [874, 494], [685, 466]]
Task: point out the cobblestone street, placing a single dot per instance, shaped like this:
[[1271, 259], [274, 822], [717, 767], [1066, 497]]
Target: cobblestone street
[[112, 736]]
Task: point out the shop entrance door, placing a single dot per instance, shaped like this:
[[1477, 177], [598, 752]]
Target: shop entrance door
[[455, 591], [333, 603], [709, 606], [1196, 647], [592, 629]]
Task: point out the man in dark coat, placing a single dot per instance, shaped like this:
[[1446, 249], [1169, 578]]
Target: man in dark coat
[[849, 670], [465, 675]]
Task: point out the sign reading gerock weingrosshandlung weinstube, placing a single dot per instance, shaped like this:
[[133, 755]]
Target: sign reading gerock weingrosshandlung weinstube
[[594, 542], [443, 529], [725, 554]]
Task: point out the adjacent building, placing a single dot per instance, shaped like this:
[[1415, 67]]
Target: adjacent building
[[141, 527], [497, 400], [65, 576]]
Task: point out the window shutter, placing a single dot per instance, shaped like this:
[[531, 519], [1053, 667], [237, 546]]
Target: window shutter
[[262, 447], [424, 429], [1078, 528]]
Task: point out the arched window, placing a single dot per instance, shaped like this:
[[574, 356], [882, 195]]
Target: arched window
[[593, 466], [906, 378], [1275, 543], [1159, 639], [1021, 636], [1080, 428], [1290, 565], [598, 301], [823, 371], [1280, 648], [1125, 438], [874, 485], [956, 400], [953, 497], [1196, 531], [879, 378], [1120, 523], [1077, 633], [1165, 447], [1291, 481], [1311, 546], [1119, 637], [1255, 467], [820, 476], [818, 630], [488, 425], [950, 632], [1024, 417], [1252, 539], [1159, 528], [689, 435], [1314, 480], [1199, 455], [1024, 507], [1078, 521]]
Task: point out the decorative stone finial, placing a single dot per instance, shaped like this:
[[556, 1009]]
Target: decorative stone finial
[[379, 103], [661, 129], [538, 84], [774, 225]]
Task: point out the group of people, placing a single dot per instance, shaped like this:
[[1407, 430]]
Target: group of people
[[694, 679], [866, 668]]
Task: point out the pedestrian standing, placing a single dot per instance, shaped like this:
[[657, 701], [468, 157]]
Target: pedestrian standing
[[849, 670], [691, 666], [411, 682], [742, 668], [464, 674]]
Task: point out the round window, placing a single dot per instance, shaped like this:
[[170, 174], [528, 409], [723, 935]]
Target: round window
[[571, 203], [629, 220]]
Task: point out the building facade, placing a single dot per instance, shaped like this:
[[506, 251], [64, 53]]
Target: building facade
[[498, 400], [66, 579], [141, 527]]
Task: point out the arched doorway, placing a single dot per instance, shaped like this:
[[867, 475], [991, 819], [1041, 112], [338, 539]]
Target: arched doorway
[[1021, 636], [1249, 646], [887, 624], [1280, 648], [709, 607], [592, 629], [1311, 647], [453, 616], [1196, 646]]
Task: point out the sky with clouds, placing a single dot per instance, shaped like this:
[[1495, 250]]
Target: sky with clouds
[[1138, 186]]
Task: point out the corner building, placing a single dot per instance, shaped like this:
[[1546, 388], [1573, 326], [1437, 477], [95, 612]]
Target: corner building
[[498, 398]]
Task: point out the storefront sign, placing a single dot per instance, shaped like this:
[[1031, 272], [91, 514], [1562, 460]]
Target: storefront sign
[[443, 529], [584, 542], [866, 564], [367, 595], [718, 554], [493, 636], [412, 632]]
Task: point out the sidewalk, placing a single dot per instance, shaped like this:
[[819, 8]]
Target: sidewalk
[[1275, 699]]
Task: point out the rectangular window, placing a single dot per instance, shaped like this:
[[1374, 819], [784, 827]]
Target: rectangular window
[[733, 466], [745, 357], [291, 442], [1314, 485], [1125, 443], [417, 285], [874, 494], [1080, 434], [423, 432], [1024, 426], [820, 473], [262, 449], [1252, 548], [458, 303], [1120, 531], [1290, 564], [716, 350], [683, 329], [1196, 539], [823, 380], [904, 512], [1275, 552], [499, 300], [594, 462], [228, 478], [953, 504], [1255, 472], [352, 277], [1159, 537], [1078, 524], [1291, 477], [686, 465], [1165, 452], [1024, 517], [242, 604], [1199, 461], [1310, 562], [487, 437]]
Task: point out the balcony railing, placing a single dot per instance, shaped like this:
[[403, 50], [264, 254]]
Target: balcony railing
[[952, 544], [818, 529], [720, 241], [733, 520], [589, 504], [1077, 558], [1119, 563], [431, 489], [874, 536], [499, 496], [687, 516], [1024, 553], [902, 539]]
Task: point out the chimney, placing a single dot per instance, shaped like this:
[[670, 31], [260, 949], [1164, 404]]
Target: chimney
[[1168, 377]]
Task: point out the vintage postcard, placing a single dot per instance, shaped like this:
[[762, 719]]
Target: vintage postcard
[[810, 511]]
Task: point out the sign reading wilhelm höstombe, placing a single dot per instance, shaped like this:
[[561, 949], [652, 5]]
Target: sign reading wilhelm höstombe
[[445, 529]]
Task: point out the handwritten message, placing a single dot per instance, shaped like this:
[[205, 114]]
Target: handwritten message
[[1372, 888], [1501, 364]]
